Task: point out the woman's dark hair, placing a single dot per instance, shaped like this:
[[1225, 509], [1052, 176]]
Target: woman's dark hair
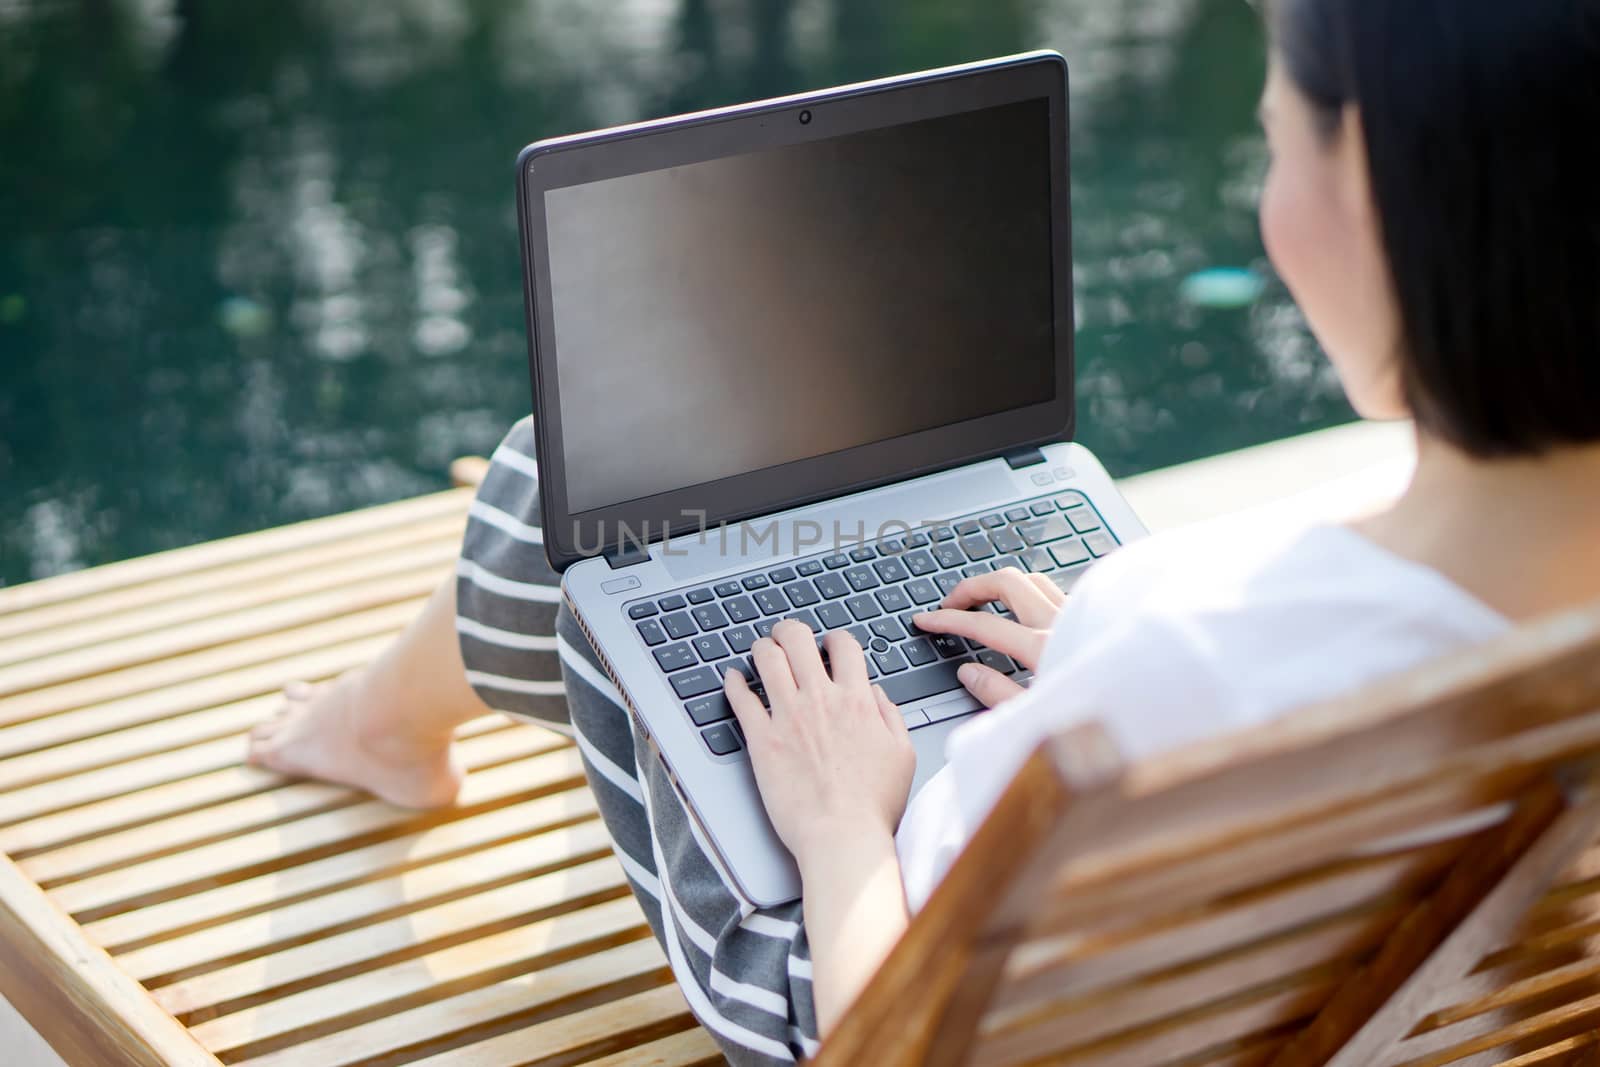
[[1481, 119]]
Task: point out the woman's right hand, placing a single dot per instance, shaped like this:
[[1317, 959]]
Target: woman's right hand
[[1033, 599]]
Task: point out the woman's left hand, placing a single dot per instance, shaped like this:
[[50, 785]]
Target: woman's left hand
[[833, 758], [834, 764]]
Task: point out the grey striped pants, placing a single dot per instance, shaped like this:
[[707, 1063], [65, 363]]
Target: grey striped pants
[[746, 971]]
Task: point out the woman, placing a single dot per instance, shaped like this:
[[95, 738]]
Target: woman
[[1432, 206]]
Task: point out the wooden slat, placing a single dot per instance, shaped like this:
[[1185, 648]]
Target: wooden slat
[[1482, 898], [411, 584], [294, 924], [1577, 1051], [324, 1008], [142, 883], [1254, 1051], [231, 819], [1123, 885], [163, 735], [164, 565], [606, 1027], [1498, 989], [149, 677], [1535, 949], [179, 731], [1079, 964], [1569, 912], [164, 837], [106, 816], [450, 1021], [181, 794], [112, 642], [1234, 1021], [358, 949], [86, 1008], [230, 590], [1331, 949], [1573, 901], [1247, 863], [108, 783], [1494, 1034], [428, 844], [111, 783], [92, 720], [687, 1048]]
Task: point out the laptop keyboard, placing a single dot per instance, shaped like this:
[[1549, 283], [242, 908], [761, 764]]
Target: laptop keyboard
[[871, 591]]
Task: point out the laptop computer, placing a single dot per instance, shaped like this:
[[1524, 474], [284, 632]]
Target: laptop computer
[[807, 357]]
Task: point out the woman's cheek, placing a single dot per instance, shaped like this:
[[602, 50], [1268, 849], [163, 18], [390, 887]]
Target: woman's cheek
[[1305, 256], [1279, 228], [1306, 249], [1338, 281]]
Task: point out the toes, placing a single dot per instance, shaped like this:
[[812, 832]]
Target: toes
[[268, 752], [261, 747], [298, 690]]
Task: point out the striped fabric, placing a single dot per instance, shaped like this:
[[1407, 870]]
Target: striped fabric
[[746, 972]]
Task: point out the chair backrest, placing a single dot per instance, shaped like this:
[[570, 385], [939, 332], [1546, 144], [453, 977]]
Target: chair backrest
[[1311, 891]]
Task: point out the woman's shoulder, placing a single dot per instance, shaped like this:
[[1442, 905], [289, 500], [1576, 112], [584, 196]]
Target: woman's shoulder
[[1220, 626], [1255, 581], [1219, 554]]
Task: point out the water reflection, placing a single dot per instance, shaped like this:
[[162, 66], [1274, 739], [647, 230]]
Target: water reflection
[[259, 258]]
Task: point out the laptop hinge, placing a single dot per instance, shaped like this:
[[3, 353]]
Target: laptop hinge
[[627, 555], [1024, 457]]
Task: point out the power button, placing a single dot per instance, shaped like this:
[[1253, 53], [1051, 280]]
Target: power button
[[620, 585]]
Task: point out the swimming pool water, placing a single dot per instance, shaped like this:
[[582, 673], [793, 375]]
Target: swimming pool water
[[259, 259]]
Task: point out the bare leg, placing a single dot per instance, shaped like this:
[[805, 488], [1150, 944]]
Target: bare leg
[[387, 727]]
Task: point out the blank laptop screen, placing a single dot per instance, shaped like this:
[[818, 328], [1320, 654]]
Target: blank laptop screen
[[724, 317]]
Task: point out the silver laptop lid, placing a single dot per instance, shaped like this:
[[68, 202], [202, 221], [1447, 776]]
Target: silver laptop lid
[[749, 309]]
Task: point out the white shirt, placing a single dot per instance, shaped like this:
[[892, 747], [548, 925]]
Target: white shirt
[[1189, 634]]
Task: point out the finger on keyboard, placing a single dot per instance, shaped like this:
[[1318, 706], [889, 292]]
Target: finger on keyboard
[[1001, 634]]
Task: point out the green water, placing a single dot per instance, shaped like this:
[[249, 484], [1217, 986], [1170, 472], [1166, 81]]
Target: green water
[[258, 260]]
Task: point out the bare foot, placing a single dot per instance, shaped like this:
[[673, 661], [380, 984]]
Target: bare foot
[[329, 732]]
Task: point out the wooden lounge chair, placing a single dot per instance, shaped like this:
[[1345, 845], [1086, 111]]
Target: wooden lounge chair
[[1397, 877], [161, 904]]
